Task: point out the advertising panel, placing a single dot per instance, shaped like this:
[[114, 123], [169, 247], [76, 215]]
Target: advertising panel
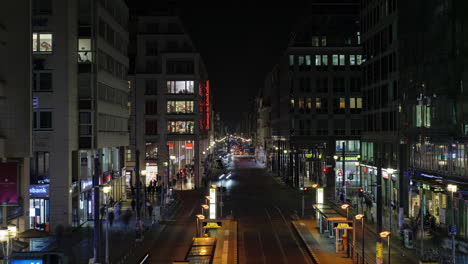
[[9, 182]]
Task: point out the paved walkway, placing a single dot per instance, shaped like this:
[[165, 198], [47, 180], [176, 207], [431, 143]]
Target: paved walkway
[[226, 245], [320, 247]]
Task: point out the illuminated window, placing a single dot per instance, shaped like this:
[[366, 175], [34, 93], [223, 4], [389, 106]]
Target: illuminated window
[[301, 60], [342, 60], [308, 60], [359, 102], [180, 87], [309, 103], [291, 60], [325, 60], [318, 60], [352, 59], [342, 103], [358, 59], [301, 103], [318, 103], [42, 42], [324, 41], [335, 60], [180, 127], [315, 41], [180, 107], [84, 51], [292, 103]]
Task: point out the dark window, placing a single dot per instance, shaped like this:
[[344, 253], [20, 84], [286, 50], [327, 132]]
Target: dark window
[[45, 119], [151, 127], [40, 167], [151, 108], [42, 7], [151, 87]]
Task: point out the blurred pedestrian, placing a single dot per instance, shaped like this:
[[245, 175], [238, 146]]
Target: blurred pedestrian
[[111, 218], [133, 205]]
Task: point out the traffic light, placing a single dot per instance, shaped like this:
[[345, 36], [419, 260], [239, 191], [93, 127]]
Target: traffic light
[[306, 188]]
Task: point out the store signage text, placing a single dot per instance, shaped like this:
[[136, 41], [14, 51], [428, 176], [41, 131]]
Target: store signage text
[[39, 189], [86, 185]]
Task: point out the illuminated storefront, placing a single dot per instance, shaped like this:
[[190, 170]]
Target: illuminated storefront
[[39, 207]]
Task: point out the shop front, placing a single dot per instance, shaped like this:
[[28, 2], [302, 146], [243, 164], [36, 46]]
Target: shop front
[[39, 207], [151, 173], [85, 201]]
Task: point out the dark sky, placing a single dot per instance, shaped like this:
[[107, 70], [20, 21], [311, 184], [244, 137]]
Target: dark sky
[[240, 42]]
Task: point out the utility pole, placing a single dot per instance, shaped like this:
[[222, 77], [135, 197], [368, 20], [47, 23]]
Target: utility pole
[[343, 155], [379, 209], [97, 226], [138, 187]]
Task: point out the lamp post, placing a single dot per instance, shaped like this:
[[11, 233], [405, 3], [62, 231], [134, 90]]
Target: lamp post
[[361, 217], [346, 207], [358, 174], [452, 189], [204, 207], [7, 234], [106, 190], [171, 164], [207, 199], [386, 234], [335, 157], [390, 171], [199, 218]]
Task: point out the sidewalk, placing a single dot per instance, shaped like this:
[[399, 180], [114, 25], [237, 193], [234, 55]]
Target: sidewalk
[[226, 251], [78, 245], [320, 248]]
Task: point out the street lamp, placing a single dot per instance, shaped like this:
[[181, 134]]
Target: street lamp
[[452, 189], [386, 234], [204, 207], [361, 217], [335, 157], [199, 217], [345, 207], [106, 190], [7, 234], [207, 199]]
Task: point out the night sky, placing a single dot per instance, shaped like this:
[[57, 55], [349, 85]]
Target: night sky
[[240, 42]]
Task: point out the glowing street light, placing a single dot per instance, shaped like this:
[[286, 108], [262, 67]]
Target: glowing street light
[[361, 217], [386, 234], [345, 207]]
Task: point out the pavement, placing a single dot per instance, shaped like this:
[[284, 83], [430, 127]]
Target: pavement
[[322, 250], [77, 244], [226, 251]]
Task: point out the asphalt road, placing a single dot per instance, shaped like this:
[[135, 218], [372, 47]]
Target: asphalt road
[[263, 209]]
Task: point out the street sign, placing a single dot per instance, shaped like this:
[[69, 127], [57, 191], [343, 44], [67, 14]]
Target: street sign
[[453, 230]]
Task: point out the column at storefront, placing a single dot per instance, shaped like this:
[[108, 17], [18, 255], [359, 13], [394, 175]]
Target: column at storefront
[[39, 207]]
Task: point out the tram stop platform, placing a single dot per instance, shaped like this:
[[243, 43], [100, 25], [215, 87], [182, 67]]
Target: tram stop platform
[[216, 245]]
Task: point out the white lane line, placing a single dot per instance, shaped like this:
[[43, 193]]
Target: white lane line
[[293, 236], [285, 260], [261, 245]]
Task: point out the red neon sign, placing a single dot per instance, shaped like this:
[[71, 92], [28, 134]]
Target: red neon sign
[[205, 105]]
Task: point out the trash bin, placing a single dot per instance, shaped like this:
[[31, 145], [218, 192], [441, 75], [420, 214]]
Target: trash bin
[[408, 238]]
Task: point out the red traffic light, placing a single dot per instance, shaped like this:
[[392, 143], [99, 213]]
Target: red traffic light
[[306, 188], [361, 190]]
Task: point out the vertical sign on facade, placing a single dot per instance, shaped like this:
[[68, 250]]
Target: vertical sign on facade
[[320, 195], [9, 182], [204, 105], [212, 203]]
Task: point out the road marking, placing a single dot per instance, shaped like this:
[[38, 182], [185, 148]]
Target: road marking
[[224, 259], [285, 260], [261, 245], [293, 235]]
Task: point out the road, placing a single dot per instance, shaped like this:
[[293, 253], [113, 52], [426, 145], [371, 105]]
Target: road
[[263, 208]]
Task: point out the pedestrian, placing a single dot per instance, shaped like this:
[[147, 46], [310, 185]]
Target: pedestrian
[[126, 217], [111, 218], [133, 205], [150, 211]]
